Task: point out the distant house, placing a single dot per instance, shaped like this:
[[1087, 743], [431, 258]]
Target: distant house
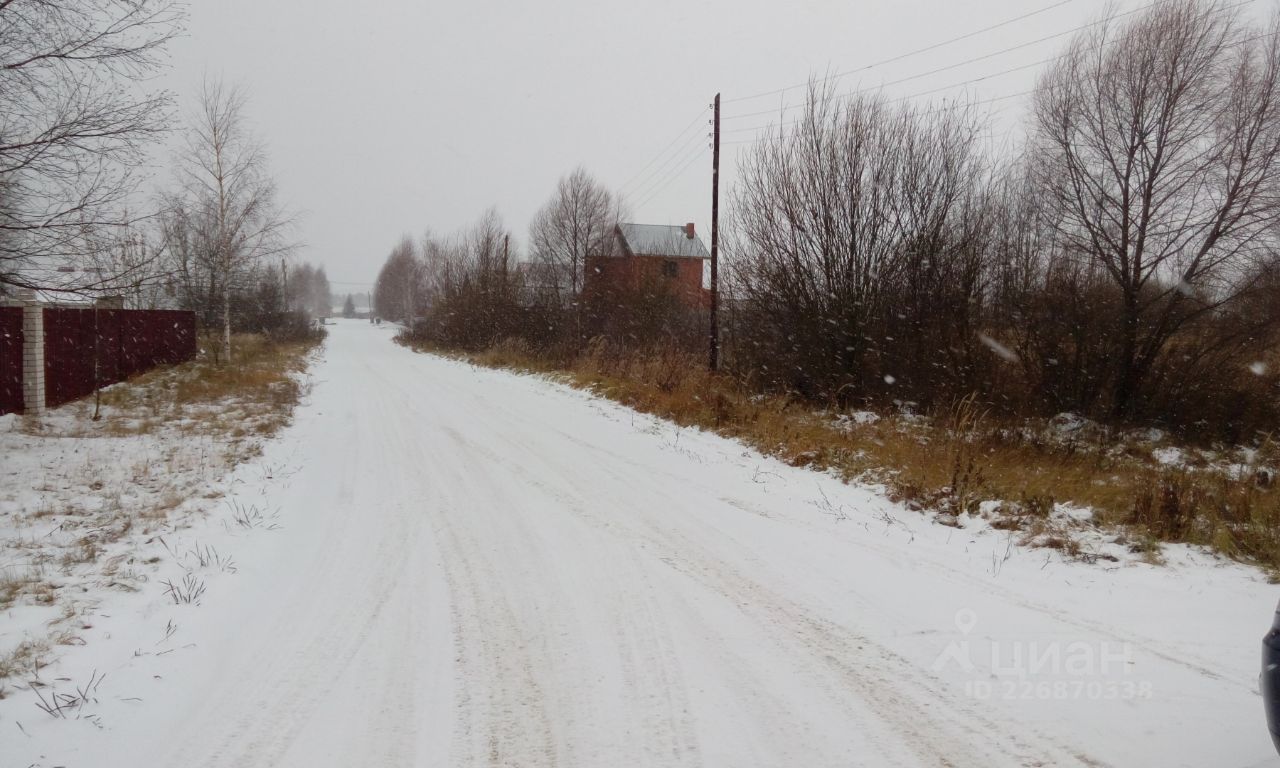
[[542, 282], [644, 257]]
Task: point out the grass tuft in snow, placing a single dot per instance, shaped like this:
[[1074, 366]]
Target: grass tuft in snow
[[185, 592], [64, 705]]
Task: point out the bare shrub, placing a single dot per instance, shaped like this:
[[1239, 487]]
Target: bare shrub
[[856, 250]]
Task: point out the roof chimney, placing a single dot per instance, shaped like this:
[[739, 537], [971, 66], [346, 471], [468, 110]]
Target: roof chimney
[[689, 231]]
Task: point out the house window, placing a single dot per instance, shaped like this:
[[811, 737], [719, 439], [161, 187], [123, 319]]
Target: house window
[[670, 269]]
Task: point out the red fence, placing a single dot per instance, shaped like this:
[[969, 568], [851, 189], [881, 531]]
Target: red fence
[[10, 359], [86, 348]]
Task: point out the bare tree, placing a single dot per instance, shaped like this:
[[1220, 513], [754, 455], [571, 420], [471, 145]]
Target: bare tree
[[321, 294], [228, 202], [131, 261], [859, 222], [398, 291], [467, 286], [299, 287], [576, 222], [1157, 143], [75, 120]]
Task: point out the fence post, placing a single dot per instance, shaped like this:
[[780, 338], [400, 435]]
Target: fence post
[[33, 400]]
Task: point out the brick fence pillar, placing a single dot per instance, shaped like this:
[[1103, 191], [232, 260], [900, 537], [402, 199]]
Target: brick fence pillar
[[33, 401]]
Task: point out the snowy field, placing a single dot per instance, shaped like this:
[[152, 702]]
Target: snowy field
[[440, 565], [91, 508]]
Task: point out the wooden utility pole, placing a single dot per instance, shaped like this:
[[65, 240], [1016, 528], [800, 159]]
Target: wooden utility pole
[[506, 254], [715, 239]]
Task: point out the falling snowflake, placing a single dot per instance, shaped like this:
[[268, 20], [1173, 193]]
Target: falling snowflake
[[1001, 350]]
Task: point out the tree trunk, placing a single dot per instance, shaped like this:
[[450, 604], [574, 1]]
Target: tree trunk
[[1125, 384], [226, 322]]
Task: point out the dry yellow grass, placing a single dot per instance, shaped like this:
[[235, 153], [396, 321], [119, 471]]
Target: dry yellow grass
[[235, 403], [25, 659], [15, 583], [261, 377], [952, 460]]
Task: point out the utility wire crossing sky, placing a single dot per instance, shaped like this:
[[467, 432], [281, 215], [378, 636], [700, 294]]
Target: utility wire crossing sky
[[400, 117]]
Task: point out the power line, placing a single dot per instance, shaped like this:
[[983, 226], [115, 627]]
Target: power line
[[908, 97], [968, 104], [656, 181], [659, 173], [659, 170], [661, 182], [975, 59], [907, 55], [982, 78], [662, 188], [1050, 60], [947, 108], [935, 71], [663, 151], [696, 156]]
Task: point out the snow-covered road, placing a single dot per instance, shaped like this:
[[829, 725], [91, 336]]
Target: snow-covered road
[[475, 568]]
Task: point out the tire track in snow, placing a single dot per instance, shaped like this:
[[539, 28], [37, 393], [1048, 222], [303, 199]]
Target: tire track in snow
[[523, 689], [501, 705], [336, 619], [500, 663], [871, 672], [1150, 645]]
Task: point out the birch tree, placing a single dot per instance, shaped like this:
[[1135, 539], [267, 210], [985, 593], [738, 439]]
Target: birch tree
[[576, 222], [228, 195]]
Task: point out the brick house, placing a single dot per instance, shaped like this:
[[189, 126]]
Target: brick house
[[644, 257], [543, 283]]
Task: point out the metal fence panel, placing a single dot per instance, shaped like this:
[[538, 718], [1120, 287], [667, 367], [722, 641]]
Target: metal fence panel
[[10, 359]]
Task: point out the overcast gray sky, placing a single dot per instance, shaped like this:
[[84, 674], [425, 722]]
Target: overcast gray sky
[[394, 116]]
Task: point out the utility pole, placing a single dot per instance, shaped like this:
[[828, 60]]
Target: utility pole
[[506, 250], [408, 296], [715, 239]]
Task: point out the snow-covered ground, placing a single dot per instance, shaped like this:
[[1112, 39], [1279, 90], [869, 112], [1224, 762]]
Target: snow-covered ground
[[456, 566], [91, 509]]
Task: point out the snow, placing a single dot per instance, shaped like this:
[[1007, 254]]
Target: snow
[[90, 512], [459, 566], [1169, 456], [848, 421], [1068, 422]]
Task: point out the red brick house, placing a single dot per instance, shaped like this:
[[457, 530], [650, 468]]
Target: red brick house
[[642, 257]]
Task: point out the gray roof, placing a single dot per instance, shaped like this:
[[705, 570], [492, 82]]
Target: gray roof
[[661, 240]]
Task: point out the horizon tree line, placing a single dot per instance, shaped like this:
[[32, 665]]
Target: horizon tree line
[[1121, 262]]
